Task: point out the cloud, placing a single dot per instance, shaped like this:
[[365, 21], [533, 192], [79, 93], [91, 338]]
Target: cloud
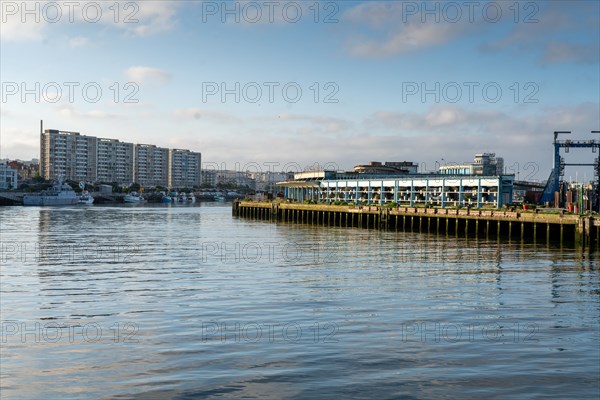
[[152, 17], [457, 120], [79, 41], [19, 144], [396, 31], [557, 52], [13, 28], [138, 18], [310, 124], [70, 112], [141, 74], [560, 33]]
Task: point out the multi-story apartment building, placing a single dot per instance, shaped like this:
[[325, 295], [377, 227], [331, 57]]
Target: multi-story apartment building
[[67, 155], [151, 165], [185, 168], [72, 156], [114, 161]]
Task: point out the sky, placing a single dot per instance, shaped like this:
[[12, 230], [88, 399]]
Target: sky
[[283, 85]]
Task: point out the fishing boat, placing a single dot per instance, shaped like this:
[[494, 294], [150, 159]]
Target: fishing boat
[[85, 198], [60, 194], [133, 197], [165, 198]]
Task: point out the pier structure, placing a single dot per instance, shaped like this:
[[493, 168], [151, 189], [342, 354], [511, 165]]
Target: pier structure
[[407, 190], [537, 227], [552, 192]]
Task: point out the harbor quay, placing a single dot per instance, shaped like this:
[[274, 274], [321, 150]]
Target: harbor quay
[[539, 226]]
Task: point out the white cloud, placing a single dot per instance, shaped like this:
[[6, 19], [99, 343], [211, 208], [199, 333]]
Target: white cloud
[[138, 18], [563, 32], [395, 31], [79, 41], [152, 17], [141, 74], [13, 28], [69, 112]]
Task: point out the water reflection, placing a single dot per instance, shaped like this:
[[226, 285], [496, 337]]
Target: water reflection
[[167, 302]]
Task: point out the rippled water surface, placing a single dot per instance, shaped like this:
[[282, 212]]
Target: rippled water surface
[[185, 302]]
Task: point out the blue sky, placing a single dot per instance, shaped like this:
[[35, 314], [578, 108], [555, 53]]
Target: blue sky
[[373, 59]]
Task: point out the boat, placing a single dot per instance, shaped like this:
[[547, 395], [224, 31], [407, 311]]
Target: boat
[[165, 198], [181, 198], [60, 194], [133, 197], [219, 197], [86, 198], [191, 198]]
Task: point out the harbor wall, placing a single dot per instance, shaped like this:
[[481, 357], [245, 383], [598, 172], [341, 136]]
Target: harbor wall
[[528, 226]]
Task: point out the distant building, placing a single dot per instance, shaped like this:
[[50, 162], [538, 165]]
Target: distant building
[[151, 165], [9, 178], [72, 156], [485, 164], [185, 169], [232, 177], [209, 177], [67, 155], [376, 167], [26, 170], [114, 161], [267, 181]]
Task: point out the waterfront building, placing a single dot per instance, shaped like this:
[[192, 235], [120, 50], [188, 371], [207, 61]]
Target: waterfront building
[[185, 168], [477, 185], [67, 155], [9, 178], [72, 156], [151, 165], [114, 161]]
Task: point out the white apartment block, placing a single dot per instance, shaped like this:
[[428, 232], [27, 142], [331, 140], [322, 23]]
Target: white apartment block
[[151, 165], [185, 169], [67, 155], [72, 156], [114, 161], [9, 178]]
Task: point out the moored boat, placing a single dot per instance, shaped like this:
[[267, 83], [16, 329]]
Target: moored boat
[[86, 198], [165, 198], [60, 194], [133, 197]]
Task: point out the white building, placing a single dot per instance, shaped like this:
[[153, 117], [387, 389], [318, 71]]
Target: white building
[[9, 178], [114, 161], [485, 164], [72, 156], [67, 155], [151, 165], [185, 169]]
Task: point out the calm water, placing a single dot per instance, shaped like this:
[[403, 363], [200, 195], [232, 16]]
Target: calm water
[[185, 302]]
